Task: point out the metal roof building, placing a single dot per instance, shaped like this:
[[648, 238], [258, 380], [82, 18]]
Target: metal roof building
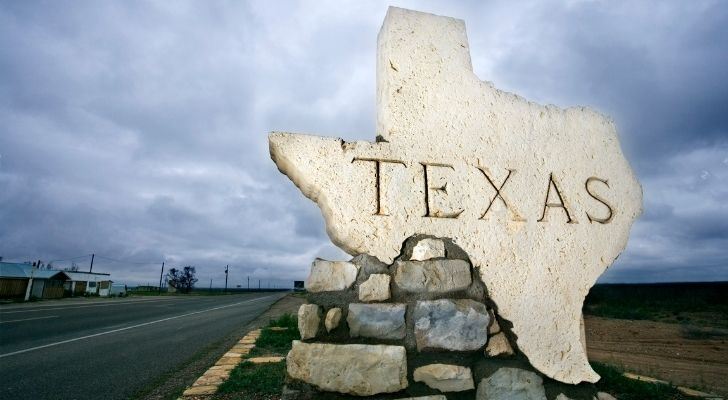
[[49, 283]]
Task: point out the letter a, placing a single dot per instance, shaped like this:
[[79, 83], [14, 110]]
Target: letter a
[[560, 204]]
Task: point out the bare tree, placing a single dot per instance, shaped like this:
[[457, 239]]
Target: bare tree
[[72, 268], [182, 279]]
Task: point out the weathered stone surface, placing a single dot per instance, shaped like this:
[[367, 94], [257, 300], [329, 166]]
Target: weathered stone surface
[[228, 361], [428, 248], [376, 288], [265, 360], [494, 326], [433, 397], [200, 390], [368, 265], [498, 345], [562, 396], [329, 276], [544, 197], [333, 316], [605, 396], [445, 378], [433, 276], [309, 316], [460, 325], [381, 321], [357, 369], [476, 290], [511, 384]]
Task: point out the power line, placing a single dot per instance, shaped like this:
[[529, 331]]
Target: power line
[[72, 258], [128, 262]]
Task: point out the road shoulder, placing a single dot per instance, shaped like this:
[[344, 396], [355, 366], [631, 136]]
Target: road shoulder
[[171, 385]]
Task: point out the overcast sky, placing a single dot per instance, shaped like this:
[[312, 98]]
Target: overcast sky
[[138, 130]]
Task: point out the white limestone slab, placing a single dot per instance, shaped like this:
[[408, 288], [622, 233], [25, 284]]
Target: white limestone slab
[[358, 369], [375, 288], [428, 248], [445, 377], [329, 276], [541, 198], [309, 317], [333, 317]]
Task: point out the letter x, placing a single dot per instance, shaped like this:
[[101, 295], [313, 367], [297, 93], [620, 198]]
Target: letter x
[[498, 194]]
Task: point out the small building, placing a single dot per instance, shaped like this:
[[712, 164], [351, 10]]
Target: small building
[[88, 283], [45, 283], [50, 283], [13, 280]]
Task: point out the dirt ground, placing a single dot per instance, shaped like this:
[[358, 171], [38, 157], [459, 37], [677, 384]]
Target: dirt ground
[[684, 355]]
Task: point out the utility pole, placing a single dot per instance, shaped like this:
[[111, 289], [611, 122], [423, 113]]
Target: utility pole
[[258, 284], [248, 282], [211, 285], [29, 288], [92, 263], [160, 278], [226, 276]]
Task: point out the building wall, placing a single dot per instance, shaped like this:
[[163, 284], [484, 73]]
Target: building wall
[[11, 288], [53, 289], [37, 289]]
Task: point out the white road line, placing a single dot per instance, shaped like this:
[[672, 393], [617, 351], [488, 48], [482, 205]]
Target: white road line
[[128, 327], [27, 319], [104, 304]]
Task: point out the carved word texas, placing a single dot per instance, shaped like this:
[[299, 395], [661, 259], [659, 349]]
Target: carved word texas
[[541, 198], [551, 188]]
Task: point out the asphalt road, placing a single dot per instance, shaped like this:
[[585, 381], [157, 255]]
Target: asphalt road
[[110, 349]]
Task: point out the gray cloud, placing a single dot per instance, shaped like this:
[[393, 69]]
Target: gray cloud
[[137, 131]]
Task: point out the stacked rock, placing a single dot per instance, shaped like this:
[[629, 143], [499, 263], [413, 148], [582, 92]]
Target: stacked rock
[[419, 326]]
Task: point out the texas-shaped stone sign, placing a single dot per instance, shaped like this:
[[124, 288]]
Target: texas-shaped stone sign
[[541, 198]]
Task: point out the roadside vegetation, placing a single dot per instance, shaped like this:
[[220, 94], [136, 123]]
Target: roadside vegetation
[[623, 388], [263, 381]]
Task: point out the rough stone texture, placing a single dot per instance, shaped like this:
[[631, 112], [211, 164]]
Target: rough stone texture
[[265, 360], [460, 325], [329, 276], [428, 248], [381, 321], [537, 262], [368, 265], [511, 384], [200, 390], [562, 396], [228, 361], [433, 397], [494, 326], [309, 316], [605, 396], [498, 345], [357, 369], [333, 316], [445, 378], [376, 288], [476, 290], [432, 276]]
